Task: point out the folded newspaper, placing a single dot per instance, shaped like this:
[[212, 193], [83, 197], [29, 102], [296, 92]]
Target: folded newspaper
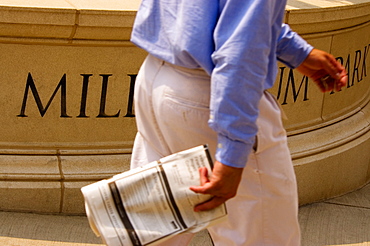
[[150, 204]]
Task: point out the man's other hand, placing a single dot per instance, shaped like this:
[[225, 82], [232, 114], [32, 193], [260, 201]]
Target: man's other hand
[[222, 185]]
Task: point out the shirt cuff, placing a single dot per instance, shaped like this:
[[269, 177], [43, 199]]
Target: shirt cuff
[[232, 153], [295, 51]]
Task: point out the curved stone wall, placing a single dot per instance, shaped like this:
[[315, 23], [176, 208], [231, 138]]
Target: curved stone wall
[[67, 76], [329, 134]]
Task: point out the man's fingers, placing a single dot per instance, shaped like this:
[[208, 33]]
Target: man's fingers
[[343, 78], [338, 75], [333, 67], [204, 182], [210, 204], [322, 85], [327, 83], [203, 173], [203, 189]]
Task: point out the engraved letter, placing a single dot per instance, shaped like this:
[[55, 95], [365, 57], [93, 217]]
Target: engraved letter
[[295, 92], [364, 67], [355, 66], [131, 96], [280, 81], [103, 98], [63, 101], [85, 86], [348, 69]]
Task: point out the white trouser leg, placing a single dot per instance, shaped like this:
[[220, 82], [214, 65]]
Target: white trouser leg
[[171, 105], [265, 210], [165, 122], [172, 110]]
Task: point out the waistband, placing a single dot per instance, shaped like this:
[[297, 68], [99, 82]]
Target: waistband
[[196, 71]]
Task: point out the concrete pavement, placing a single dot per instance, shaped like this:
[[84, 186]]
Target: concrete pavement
[[343, 221]]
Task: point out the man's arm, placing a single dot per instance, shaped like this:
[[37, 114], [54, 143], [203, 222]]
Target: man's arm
[[244, 55], [318, 65]]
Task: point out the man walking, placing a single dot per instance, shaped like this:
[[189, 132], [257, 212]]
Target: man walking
[[205, 81]]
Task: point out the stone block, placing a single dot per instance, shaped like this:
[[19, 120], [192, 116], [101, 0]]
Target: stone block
[[93, 167], [113, 5], [30, 196], [352, 49], [73, 201], [74, 117], [57, 4], [103, 25], [102, 33], [37, 22], [318, 17], [35, 31], [333, 172], [25, 167], [64, 16], [328, 137]]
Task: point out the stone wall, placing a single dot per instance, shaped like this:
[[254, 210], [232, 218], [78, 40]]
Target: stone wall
[[329, 133]]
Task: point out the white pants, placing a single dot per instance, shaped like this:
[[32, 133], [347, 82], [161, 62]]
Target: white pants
[[172, 110]]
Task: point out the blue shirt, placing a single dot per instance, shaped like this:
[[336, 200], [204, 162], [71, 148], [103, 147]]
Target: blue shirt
[[238, 43]]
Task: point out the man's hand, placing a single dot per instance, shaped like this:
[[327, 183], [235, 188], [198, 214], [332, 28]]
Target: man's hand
[[324, 70], [222, 185]]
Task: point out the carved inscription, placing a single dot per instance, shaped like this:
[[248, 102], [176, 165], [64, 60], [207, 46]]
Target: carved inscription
[[290, 88], [62, 87], [293, 87]]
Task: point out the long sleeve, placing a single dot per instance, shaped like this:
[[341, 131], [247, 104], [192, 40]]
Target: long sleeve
[[235, 42], [292, 49], [245, 61]]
